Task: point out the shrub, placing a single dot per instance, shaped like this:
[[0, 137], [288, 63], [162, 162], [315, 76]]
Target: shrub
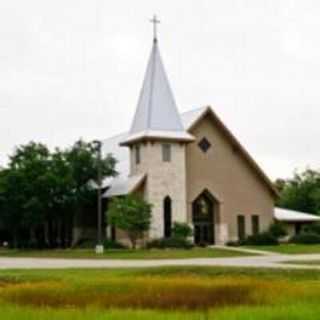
[[261, 239], [277, 230], [181, 230], [86, 243], [233, 243], [312, 228], [110, 244], [164, 243], [306, 238]]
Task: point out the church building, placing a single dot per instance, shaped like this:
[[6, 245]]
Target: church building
[[189, 166]]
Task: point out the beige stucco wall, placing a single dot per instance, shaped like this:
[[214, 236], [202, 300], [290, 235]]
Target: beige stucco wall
[[227, 175], [163, 179]]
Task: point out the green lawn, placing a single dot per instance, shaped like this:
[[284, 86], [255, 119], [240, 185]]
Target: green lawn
[[125, 253], [304, 262], [178, 293], [290, 248]]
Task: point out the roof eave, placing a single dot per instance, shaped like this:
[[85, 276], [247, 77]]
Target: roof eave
[[152, 138], [133, 189]]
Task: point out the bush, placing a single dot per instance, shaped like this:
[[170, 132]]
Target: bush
[[306, 238], [110, 244], [312, 228], [233, 243], [174, 243], [277, 230], [86, 244], [261, 239], [181, 230]]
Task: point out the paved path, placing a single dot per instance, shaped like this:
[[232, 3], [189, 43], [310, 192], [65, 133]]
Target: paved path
[[247, 250], [268, 261]]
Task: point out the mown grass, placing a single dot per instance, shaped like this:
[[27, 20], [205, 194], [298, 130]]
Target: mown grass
[[290, 248], [293, 312], [125, 254], [160, 293], [304, 262]]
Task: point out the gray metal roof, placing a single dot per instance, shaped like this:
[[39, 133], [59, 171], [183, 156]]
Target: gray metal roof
[[156, 110], [121, 185], [287, 215], [112, 145]]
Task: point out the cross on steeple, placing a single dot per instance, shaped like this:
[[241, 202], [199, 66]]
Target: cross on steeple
[[155, 21]]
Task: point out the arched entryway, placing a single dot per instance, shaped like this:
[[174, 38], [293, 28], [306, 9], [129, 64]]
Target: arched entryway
[[203, 217], [167, 217]]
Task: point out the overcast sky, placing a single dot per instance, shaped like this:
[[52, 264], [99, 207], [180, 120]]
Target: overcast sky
[[74, 68]]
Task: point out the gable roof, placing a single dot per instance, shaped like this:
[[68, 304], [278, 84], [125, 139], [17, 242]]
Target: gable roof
[[208, 111], [156, 114], [189, 120]]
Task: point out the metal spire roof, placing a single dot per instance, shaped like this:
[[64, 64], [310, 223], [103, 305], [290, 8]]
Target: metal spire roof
[[156, 114]]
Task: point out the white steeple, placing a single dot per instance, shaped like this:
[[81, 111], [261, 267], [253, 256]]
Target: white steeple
[[156, 114]]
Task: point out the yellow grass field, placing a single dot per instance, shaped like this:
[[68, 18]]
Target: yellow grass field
[[162, 293]]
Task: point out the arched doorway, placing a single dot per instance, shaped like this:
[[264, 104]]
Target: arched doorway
[[203, 219], [167, 217]]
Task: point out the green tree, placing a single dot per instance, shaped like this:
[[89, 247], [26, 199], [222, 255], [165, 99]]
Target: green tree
[[302, 192], [42, 192], [131, 214], [84, 163], [12, 200], [22, 189]]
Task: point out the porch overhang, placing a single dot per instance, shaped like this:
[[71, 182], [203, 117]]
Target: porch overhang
[[123, 186], [292, 216]]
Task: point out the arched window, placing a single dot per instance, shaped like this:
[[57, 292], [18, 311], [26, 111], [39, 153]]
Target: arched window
[[203, 218], [167, 217]]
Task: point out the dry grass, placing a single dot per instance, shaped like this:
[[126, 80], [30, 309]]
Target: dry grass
[[150, 292], [175, 293]]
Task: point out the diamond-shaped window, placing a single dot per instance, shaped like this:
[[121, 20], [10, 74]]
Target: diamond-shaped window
[[204, 144]]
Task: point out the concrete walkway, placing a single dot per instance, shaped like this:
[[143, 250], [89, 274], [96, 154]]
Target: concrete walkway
[[267, 261], [247, 250]]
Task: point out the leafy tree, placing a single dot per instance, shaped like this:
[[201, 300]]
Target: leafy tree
[[41, 192], [131, 214], [27, 171], [302, 193], [12, 200], [84, 164], [280, 184]]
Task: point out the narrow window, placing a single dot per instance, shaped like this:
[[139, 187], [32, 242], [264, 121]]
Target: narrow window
[[166, 152], [137, 154], [167, 217], [241, 227], [255, 224]]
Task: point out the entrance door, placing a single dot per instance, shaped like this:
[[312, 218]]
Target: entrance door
[[203, 233], [203, 220]]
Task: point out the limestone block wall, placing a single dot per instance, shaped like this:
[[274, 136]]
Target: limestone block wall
[[163, 179]]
